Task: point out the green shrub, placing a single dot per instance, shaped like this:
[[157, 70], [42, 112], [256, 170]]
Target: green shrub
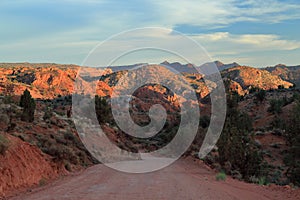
[[260, 95], [262, 181], [258, 180], [278, 122], [48, 114], [221, 176], [8, 99], [4, 143], [42, 182], [275, 106], [204, 121], [253, 89]]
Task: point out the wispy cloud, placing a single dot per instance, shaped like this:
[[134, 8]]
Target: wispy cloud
[[224, 12], [247, 42]]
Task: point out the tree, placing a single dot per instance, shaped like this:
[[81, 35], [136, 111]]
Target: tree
[[236, 144], [28, 104], [103, 110], [293, 138]]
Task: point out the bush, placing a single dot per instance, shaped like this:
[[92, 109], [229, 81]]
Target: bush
[[48, 114], [69, 136], [204, 121], [3, 144], [278, 122], [221, 176], [260, 95], [253, 90], [260, 181], [275, 106]]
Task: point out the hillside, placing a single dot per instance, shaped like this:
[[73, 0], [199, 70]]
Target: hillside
[[45, 81], [33, 154], [48, 81], [244, 78], [287, 73]]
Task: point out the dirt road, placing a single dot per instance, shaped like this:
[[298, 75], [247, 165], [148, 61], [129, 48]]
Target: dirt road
[[186, 179]]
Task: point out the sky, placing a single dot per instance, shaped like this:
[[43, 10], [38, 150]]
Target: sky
[[257, 33]]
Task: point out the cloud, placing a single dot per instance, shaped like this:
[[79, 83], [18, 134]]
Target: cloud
[[247, 42], [65, 31], [250, 49], [223, 12]]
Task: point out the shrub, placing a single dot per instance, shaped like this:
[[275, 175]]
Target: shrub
[[48, 114], [8, 99], [221, 176], [253, 89], [42, 182], [3, 144], [69, 136], [278, 122], [258, 180], [260, 95], [275, 106], [204, 121]]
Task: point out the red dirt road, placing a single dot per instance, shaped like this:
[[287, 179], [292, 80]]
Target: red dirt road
[[186, 179]]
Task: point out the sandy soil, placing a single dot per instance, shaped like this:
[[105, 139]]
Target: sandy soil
[[185, 179]]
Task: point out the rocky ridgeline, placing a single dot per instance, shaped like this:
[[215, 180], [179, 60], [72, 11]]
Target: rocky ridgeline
[[48, 81]]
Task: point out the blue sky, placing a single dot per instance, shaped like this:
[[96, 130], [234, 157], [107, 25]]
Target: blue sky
[[256, 33]]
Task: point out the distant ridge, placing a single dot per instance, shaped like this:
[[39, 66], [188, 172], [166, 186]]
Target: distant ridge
[[221, 66], [182, 68], [287, 73]]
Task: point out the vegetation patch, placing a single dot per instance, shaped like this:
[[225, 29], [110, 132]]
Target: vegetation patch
[[221, 176], [4, 143]]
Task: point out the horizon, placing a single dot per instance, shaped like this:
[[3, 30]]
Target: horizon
[[252, 33], [130, 64]]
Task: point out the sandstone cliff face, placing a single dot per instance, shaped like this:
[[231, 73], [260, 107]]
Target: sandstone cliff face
[[47, 81]]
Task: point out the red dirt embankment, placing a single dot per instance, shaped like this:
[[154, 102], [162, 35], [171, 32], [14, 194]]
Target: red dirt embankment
[[24, 165]]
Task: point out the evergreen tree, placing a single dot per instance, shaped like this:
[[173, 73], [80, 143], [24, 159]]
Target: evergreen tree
[[28, 104], [293, 138], [236, 143], [103, 110]]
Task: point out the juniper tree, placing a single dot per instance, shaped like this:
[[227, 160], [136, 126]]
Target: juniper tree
[[28, 104], [293, 137], [236, 144]]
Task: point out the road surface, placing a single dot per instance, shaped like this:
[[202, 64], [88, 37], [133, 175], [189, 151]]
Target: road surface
[[186, 179]]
